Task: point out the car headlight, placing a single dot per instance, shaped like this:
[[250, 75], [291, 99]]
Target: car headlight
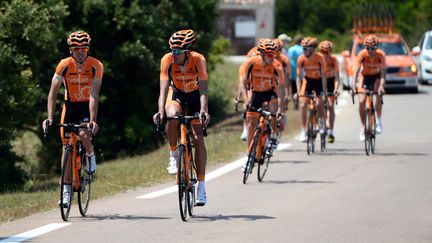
[[411, 68], [427, 58]]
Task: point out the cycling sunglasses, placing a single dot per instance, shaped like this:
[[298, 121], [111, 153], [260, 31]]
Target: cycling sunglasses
[[79, 49], [177, 52], [307, 48], [371, 48]]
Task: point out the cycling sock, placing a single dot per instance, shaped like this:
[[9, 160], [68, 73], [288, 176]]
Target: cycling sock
[[174, 153]]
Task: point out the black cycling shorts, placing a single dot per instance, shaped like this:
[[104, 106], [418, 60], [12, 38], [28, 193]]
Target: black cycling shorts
[[258, 98]]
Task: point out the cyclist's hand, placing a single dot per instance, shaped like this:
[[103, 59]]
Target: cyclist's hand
[[246, 106], [45, 124], [207, 118], [161, 116], [336, 93], [93, 126], [279, 115]]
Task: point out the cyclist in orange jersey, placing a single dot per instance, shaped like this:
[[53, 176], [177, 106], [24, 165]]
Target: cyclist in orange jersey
[[252, 52], [263, 76], [332, 74], [82, 78], [314, 80], [183, 84], [372, 62]]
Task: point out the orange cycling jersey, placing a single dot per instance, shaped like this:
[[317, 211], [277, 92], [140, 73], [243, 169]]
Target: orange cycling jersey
[[332, 66], [184, 77], [312, 66], [284, 60], [372, 65], [77, 81], [262, 77]]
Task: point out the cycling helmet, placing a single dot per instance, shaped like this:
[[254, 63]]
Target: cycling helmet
[[266, 46], [79, 39], [182, 39], [370, 40], [325, 46], [309, 42]]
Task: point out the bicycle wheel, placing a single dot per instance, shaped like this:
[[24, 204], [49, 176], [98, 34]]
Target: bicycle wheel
[[251, 156], [373, 137], [367, 132], [85, 187], [182, 183], [263, 166], [66, 172], [309, 133], [192, 187]]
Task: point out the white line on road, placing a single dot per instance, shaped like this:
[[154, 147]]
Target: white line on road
[[35, 232], [210, 176]]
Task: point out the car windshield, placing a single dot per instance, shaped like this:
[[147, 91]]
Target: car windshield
[[429, 43], [390, 49]]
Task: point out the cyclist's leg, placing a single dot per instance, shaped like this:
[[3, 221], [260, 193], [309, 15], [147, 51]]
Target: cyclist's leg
[[172, 108], [330, 103], [256, 101], [362, 86], [378, 105]]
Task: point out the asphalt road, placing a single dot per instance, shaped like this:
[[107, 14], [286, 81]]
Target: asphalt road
[[339, 195]]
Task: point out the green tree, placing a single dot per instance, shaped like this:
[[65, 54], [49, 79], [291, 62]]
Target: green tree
[[28, 31]]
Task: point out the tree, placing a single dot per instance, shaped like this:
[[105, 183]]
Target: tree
[[28, 31]]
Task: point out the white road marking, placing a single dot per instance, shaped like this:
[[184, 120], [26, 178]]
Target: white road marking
[[34, 233], [210, 176]]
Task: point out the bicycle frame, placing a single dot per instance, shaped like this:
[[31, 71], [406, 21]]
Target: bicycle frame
[[312, 122]]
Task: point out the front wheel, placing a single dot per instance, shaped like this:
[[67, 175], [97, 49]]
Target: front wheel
[[368, 133], [263, 165], [251, 156], [66, 180], [182, 183]]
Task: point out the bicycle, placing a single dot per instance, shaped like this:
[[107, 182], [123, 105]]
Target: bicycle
[[260, 150], [370, 124], [186, 168], [73, 160], [312, 124]]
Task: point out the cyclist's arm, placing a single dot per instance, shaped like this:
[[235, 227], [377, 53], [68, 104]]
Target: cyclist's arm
[[203, 90], [244, 86], [337, 83], [383, 71], [56, 83], [299, 77], [163, 93], [94, 99], [357, 67], [324, 75]]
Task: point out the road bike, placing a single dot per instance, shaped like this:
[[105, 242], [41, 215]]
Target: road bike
[[186, 167], [370, 123], [73, 162], [312, 124], [261, 149]]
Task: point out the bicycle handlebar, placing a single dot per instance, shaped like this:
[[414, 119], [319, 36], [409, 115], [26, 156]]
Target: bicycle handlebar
[[71, 126], [369, 93], [181, 117]]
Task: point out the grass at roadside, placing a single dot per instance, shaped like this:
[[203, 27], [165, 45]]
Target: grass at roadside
[[223, 144]]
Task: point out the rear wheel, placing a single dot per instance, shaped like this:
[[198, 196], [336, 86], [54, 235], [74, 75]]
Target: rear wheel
[[182, 183], [85, 187], [309, 141], [323, 141], [66, 180]]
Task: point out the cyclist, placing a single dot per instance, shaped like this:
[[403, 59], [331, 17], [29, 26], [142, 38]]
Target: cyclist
[[183, 84], [332, 68], [372, 61], [314, 79], [293, 53], [82, 77], [263, 76], [252, 52]]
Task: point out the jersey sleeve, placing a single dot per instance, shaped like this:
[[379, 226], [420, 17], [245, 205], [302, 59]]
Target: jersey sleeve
[[99, 69], [201, 64], [359, 59], [381, 56], [323, 65], [300, 61], [165, 62], [61, 67], [279, 72]]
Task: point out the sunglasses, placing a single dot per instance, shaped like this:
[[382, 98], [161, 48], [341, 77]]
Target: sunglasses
[[177, 52], [79, 49], [371, 48]]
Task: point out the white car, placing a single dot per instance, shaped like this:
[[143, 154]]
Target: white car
[[424, 58]]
